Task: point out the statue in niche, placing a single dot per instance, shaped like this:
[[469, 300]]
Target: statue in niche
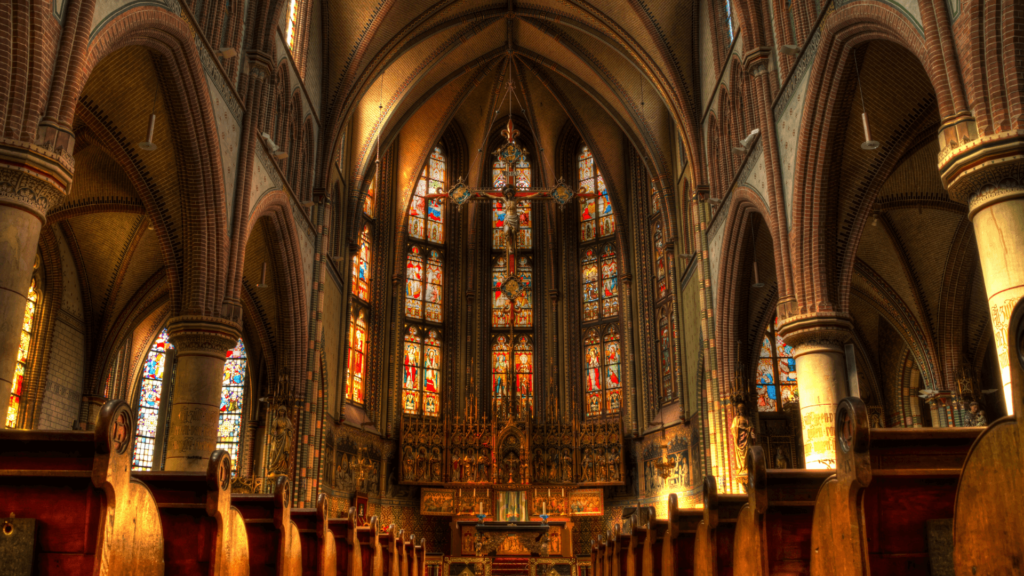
[[588, 465], [781, 461], [363, 465], [483, 465], [468, 468], [435, 464], [456, 464], [602, 465], [373, 485], [976, 416], [566, 466], [408, 464], [613, 464], [540, 467], [511, 461], [282, 433], [421, 464], [743, 436]]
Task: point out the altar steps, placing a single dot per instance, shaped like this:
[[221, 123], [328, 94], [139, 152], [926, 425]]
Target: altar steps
[[510, 566]]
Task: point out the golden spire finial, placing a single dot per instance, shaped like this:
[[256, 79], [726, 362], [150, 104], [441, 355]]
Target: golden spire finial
[[510, 131]]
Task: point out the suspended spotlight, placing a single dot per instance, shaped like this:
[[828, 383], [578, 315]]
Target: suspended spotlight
[[757, 281], [874, 218], [148, 145], [263, 277], [868, 143]]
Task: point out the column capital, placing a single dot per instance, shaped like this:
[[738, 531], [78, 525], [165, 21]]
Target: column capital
[[805, 332], [968, 170], [34, 178], [755, 61], [203, 335]]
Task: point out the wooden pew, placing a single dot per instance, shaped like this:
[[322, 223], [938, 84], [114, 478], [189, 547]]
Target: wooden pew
[[407, 560], [712, 548], [638, 549], [673, 539], [388, 552], [369, 545], [203, 533], [622, 549], [988, 521], [346, 545], [319, 550], [870, 517], [773, 531], [275, 547], [91, 516]]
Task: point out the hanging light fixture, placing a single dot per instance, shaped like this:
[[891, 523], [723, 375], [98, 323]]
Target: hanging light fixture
[[263, 276], [148, 145], [868, 143]]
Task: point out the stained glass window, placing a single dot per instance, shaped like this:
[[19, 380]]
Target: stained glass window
[[355, 381], [361, 267], [500, 309], [293, 21], [426, 216], [655, 198], [660, 269], [591, 278], [370, 201], [500, 364], [421, 376], [524, 373], [20, 365], [728, 20], [412, 375], [775, 379], [597, 219], [602, 372], [232, 397], [609, 282], [153, 374], [424, 291], [665, 356], [524, 238]]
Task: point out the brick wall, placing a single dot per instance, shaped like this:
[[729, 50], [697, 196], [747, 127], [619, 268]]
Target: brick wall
[[65, 375]]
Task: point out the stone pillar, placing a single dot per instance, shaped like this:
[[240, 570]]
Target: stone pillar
[[987, 174], [818, 346], [201, 345], [32, 180]]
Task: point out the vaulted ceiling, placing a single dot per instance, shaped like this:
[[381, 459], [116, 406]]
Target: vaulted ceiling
[[591, 63]]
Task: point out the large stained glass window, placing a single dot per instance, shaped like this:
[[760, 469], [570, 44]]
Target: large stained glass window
[[524, 238], [355, 382], [426, 216], [501, 351], [524, 373], [665, 332], [655, 198], [602, 372], [776, 372], [232, 397], [361, 266], [591, 279], [154, 371], [370, 201], [293, 22], [609, 282], [600, 283], [20, 365], [421, 376], [597, 218], [660, 267], [500, 309], [424, 285], [728, 20]]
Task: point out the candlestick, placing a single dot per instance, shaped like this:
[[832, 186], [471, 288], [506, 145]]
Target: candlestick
[[544, 507], [480, 509]]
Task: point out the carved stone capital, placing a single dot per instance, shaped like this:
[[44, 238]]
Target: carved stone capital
[[979, 163], [202, 335], [32, 177], [993, 193], [755, 62], [808, 332]]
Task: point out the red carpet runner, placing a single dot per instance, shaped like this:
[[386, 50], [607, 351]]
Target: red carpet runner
[[510, 566]]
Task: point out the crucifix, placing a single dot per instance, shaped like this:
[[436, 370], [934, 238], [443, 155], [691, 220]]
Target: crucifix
[[513, 200]]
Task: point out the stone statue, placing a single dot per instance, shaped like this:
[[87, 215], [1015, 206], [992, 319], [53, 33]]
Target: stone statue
[[743, 436], [540, 468], [421, 464], [602, 466], [483, 465], [588, 465], [408, 464], [435, 465], [613, 464], [781, 461], [468, 469], [282, 433], [976, 416], [566, 466], [456, 464]]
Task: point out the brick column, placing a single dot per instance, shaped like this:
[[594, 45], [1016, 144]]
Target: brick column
[[987, 174], [818, 346], [202, 345], [32, 180]]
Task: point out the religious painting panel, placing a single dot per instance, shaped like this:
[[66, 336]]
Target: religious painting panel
[[437, 502], [586, 502], [552, 502]]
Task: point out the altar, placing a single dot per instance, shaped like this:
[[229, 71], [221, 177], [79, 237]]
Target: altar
[[523, 538]]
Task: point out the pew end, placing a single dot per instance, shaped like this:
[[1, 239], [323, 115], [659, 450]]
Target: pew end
[[275, 548]]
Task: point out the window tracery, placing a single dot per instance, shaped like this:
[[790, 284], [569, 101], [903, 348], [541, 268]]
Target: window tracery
[[21, 364], [154, 373], [426, 216], [597, 218]]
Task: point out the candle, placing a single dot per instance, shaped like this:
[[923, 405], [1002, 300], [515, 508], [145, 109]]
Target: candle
[[481, 508], [544, 507], [563, 492]]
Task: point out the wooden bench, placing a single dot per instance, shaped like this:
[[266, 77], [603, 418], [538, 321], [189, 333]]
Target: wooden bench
[[871, 516], [639, 559], [203, 533], [597, 555], [91, 516], [275, 547], [319, 550], [672, 539], [712, 548], [773, 531], [988, 521], [346, 545], [388, 552]]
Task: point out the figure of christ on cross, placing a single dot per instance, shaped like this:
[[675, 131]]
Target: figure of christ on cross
[[513, 198]]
